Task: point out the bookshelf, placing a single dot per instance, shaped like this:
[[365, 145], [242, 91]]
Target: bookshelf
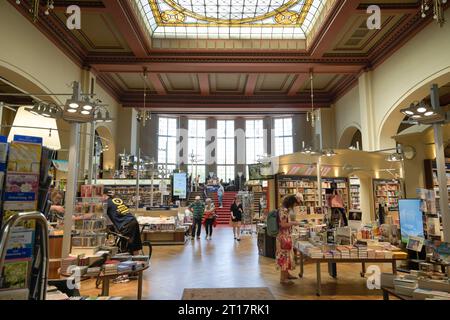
[[387, 192], [307, 185], [341, 186], [431, 181], [355, 195], [128, 195]]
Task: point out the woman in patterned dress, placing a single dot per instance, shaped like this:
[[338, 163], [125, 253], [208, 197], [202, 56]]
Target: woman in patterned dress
[[285, 253]]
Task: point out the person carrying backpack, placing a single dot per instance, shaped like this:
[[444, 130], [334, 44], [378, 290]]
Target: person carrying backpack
[[285, 257]]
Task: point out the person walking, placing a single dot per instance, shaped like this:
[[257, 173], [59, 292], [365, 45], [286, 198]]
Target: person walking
[[285, 254], [197, 182], [236, 211], [198, 210], [209, 218], [220, 192]]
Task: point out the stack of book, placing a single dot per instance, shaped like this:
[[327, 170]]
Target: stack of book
[[315, 253], [345, 253], [110, 268], [336, 254], [388, 254], [93, 272], [379, 254], [370, 253], [405, 287], [362, 251], [126, 266], [328, 255], [353, 252], [67, 262]]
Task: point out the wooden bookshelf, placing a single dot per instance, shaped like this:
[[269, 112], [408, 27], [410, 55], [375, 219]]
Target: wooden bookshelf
[[307, 186], [355, 195], [387, 192]]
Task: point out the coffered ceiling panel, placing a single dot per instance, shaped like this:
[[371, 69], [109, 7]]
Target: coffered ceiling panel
[[355, 37], [132, 82], [227, 83], [322, 82], [274, 83], [180, 82], [98, 33]]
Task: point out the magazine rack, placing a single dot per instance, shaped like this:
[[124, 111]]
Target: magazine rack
[[37, 284]]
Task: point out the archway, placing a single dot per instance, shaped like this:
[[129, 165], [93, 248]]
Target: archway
[[392, 120], [349, 137]]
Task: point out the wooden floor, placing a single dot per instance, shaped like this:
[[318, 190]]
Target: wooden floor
[[225, 263]]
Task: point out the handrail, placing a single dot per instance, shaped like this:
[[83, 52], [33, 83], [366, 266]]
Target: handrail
[[5, 234]]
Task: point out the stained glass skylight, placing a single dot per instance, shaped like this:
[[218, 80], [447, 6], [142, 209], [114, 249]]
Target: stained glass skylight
[[230, 19]]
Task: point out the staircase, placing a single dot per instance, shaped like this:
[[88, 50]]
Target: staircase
[[223, 214], [193, 194]]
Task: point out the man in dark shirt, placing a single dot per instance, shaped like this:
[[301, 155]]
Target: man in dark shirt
[[236, 211], [123, 220]]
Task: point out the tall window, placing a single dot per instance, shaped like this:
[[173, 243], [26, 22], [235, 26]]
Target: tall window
[[197, 148], [225, 149], [254, 141], [167, 144], [283, 136]]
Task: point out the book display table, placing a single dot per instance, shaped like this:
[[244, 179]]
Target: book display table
[[335, 261], [106, 280], [391, 292]]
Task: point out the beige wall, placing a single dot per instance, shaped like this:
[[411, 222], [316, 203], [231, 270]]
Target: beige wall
[[32, 62], [404, 77], [347, 113]]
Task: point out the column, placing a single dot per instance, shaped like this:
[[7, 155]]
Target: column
[[127, 131], [239, 146], [211, 145], [302, 130], [148, 138], [367, 111], [367, 199], [182, 143], [267, 125]]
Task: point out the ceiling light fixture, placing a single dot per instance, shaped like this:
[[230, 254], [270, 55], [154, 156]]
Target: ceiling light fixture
[[423, 113], [311, 115], [438, 10], [329, 153], [35, 5], [143, 115]]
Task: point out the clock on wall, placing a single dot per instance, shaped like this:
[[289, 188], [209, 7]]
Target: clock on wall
[[409, 152]]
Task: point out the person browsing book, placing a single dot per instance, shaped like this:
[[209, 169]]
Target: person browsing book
[[124, 221]]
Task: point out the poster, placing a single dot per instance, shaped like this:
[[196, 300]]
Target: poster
[[179, 185]]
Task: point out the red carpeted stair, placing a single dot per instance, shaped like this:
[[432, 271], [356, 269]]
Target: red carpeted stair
[[224, 213]]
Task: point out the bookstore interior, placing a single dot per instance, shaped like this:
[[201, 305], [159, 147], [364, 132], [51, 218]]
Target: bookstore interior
[[141, 121]]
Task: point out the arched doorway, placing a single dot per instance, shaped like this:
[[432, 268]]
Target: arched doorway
[[351, 137], [392, 120]]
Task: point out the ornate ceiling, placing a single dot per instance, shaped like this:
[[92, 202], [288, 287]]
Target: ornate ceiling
[[215, 72], [231, 19]]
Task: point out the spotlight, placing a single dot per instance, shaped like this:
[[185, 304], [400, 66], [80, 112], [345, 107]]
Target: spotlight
[[46, 112], [408, 112], [421, 110], [71, 103], [429, 113], [329, 153], [85, 112], [88, 106], [72, 110]]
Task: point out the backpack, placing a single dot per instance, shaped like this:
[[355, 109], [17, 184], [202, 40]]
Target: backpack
[[273, 223]]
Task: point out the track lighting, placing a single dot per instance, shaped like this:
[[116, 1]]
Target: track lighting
[[423, 113]]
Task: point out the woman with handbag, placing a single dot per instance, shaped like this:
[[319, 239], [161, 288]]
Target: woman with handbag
[[285, 254], [209, 218]]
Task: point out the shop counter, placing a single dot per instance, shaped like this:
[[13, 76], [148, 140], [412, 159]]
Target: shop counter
[[167, 234]]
